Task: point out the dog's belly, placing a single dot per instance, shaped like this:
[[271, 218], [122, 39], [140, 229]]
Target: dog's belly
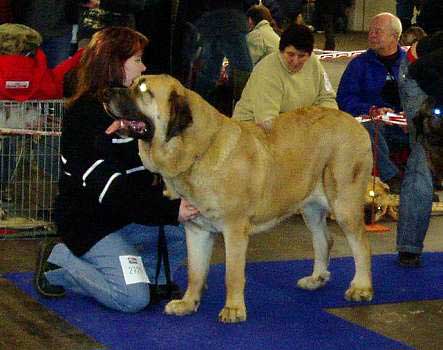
[[316, 197], [269, 224], [209, 226]]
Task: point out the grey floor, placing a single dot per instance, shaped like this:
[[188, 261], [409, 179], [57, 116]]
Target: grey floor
[[24, 324]]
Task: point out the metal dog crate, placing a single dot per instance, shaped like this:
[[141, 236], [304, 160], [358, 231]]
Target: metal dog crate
[[29, 164]]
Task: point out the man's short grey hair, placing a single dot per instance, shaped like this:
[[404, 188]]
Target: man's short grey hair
[[395, 23]]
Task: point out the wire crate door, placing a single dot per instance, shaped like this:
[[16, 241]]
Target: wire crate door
[[29, 161]]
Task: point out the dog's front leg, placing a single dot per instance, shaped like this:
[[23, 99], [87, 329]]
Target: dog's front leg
[[236, 239], [199, 244]]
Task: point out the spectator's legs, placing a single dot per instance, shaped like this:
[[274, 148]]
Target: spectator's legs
[[386, 167], [396, 138], [327, 21], [415, 203], [57, 49]]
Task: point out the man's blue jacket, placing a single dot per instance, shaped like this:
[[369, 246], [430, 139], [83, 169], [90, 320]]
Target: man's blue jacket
[[362, 82]]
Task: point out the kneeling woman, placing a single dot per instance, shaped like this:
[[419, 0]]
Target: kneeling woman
[[110, 208]]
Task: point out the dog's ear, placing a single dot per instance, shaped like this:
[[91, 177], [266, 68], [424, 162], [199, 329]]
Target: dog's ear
[[180, 115]]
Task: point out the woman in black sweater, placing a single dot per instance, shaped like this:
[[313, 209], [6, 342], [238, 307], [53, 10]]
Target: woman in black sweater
[[110, 207]]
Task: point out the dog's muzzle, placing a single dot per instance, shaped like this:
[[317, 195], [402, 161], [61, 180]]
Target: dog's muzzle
[[119, 106]]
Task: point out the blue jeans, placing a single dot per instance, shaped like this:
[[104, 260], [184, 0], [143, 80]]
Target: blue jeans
[[415, 202], [388, 138], [57, 49], [99, 274], [411, 97], [214, 49]]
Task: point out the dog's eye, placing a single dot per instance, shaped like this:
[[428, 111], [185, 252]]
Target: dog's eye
[[143, 87], [436, 112]]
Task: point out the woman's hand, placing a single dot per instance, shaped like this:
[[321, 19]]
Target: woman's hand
[[187, 211]]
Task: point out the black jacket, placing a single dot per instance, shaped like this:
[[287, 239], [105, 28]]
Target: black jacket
[[428, 72], [430, 16], [103, 185]]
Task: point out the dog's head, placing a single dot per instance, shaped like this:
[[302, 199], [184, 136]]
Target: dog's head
[[429, 125], [155, 106], [429, 122]]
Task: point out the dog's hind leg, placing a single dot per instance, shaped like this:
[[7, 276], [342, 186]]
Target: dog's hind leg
[[348, 211], [199, 244], [236, 237], [314, 215]]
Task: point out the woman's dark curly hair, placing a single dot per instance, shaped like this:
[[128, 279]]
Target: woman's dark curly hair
[[299, 36]]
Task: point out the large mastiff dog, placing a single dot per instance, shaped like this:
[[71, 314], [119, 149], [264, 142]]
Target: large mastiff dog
[[245, 180]]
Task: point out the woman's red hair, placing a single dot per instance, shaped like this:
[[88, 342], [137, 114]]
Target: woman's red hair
[[102, 62]]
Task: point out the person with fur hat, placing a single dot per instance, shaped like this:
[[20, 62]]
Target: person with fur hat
[[421, 78], [24, 75], [24, 72]]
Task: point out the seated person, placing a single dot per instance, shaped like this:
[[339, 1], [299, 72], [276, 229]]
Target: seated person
[[370, 80], [262, 38], [110, 213], [286, 80], [421, 77]]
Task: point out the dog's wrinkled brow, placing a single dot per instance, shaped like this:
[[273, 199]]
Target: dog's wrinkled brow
[[142, 87]]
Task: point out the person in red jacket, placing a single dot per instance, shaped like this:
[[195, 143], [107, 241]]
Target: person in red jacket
[[25, 76], [24, 72]]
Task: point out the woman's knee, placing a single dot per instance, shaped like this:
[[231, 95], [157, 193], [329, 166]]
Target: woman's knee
[[136, 298]]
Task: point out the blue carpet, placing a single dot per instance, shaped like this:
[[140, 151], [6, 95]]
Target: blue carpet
[[280, 316]]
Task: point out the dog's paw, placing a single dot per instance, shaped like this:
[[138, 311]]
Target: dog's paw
[[314, 282], [232, 314], [359, 294], [181, 307]]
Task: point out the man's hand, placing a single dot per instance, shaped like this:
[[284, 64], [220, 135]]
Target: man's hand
[[187, 211], [404, 127], [375, 112]]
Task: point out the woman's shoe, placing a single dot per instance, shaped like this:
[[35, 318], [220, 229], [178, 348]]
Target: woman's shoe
[[43, 286]]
